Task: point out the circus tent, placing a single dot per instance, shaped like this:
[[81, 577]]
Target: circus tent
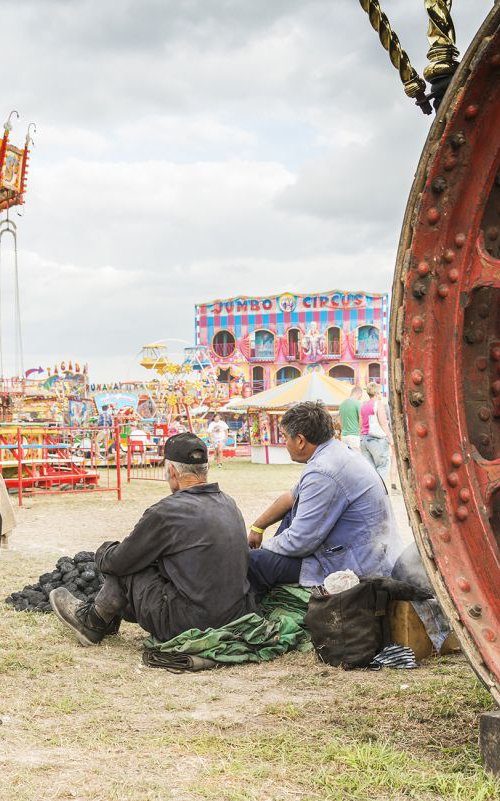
[[266, 408], [313, 386]]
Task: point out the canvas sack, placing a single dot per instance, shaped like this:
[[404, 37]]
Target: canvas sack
[[351, 627]]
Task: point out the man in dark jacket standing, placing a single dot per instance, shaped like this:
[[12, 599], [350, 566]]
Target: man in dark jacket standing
[[183, 566]]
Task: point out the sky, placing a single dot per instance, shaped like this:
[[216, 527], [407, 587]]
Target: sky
[[188, 150]]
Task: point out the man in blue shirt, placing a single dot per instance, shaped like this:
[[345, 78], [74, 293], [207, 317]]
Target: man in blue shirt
[[337, 517]]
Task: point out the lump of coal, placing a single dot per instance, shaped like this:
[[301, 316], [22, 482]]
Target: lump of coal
[[65, 563], [70, 575], [77, 574], [83, 556]]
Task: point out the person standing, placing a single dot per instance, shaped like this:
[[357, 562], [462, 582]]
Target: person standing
[[217, 433], [105, 425], [349, 411], [376, 437]]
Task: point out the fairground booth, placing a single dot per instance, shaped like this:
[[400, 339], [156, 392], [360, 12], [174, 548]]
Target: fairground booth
[[266, 409]]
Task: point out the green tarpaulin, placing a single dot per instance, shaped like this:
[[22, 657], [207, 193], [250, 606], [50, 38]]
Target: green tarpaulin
[[251, 638]]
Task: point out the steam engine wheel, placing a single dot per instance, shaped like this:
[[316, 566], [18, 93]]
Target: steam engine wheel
[[445, 353]]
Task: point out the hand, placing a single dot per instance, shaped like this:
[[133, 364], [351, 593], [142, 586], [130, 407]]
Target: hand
[[254, 539]]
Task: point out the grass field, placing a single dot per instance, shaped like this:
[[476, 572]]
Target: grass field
[[95, 725]]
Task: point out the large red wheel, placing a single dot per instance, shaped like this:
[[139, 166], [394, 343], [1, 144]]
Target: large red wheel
[[445, 346]]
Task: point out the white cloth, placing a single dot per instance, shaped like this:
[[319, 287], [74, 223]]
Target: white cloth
[[339, 581]]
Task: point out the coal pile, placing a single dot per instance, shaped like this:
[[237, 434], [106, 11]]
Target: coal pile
[[77, 573]]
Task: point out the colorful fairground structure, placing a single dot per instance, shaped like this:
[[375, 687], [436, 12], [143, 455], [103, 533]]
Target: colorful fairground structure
[[13, 167], [256, 343], [13, 176]]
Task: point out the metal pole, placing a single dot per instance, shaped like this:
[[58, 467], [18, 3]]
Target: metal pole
[[118, 465], [19, 467], [188, 414]]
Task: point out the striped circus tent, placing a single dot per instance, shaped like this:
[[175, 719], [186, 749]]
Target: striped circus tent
[[313, 386]]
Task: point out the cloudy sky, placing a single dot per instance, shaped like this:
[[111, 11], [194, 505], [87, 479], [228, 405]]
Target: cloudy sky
[[194, 149]]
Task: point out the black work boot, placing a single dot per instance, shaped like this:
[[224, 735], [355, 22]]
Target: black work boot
[[81, 617]]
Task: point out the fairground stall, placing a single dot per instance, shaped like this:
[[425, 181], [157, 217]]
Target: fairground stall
[[266, 409]]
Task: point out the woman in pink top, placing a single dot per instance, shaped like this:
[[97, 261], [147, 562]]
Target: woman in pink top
[[376, 436]]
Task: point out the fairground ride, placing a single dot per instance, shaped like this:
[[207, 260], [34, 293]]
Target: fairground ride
[[183, 388], [13, 176], [445, 330]]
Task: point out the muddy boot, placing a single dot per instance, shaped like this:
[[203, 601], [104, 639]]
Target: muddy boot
[[113, 626], [81, 617]]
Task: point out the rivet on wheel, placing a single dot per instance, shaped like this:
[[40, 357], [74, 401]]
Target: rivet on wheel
[[457, 459], [423, 269], [492, 232], [471, 111], [429, 481], [495, 388], [485, 440], [417, 377], [433, 215], [443, 290], [484, 311], [452, 479], [444, 535], [449, 255], [484, 414], [475, 611], [489, 635], [462, 513], [495, 60], [417, 324], [453, 275], [464, 495], [460, 240], [450, 162], [463, 584], [495, 353], [481, 363], [421, 430]]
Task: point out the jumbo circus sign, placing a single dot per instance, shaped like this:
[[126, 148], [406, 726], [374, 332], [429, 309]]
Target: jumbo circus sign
[[288, 302]]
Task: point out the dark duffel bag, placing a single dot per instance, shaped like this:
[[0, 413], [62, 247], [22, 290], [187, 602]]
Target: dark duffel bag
[[351, 627]]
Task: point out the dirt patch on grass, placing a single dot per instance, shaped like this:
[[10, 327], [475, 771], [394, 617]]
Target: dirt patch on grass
[[96, 725]]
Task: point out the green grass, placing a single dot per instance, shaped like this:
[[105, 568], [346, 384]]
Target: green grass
[[95, 725]]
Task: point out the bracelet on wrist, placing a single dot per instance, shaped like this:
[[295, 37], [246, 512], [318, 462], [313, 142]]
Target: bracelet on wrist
[[257, 530]]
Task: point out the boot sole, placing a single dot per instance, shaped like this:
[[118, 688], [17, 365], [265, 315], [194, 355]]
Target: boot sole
[[82, 639]]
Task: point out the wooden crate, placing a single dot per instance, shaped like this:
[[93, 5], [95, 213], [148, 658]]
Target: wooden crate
[[407, 629]]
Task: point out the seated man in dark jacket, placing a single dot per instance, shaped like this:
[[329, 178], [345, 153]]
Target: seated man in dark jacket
[[183, 566]]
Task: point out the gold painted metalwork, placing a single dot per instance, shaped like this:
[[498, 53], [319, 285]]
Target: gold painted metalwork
[[442, 53], [414, 85]]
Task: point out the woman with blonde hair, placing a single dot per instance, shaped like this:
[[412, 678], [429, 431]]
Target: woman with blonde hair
[[376, 437]]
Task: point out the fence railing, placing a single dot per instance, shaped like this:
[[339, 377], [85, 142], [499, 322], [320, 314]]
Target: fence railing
[[38, 460]]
